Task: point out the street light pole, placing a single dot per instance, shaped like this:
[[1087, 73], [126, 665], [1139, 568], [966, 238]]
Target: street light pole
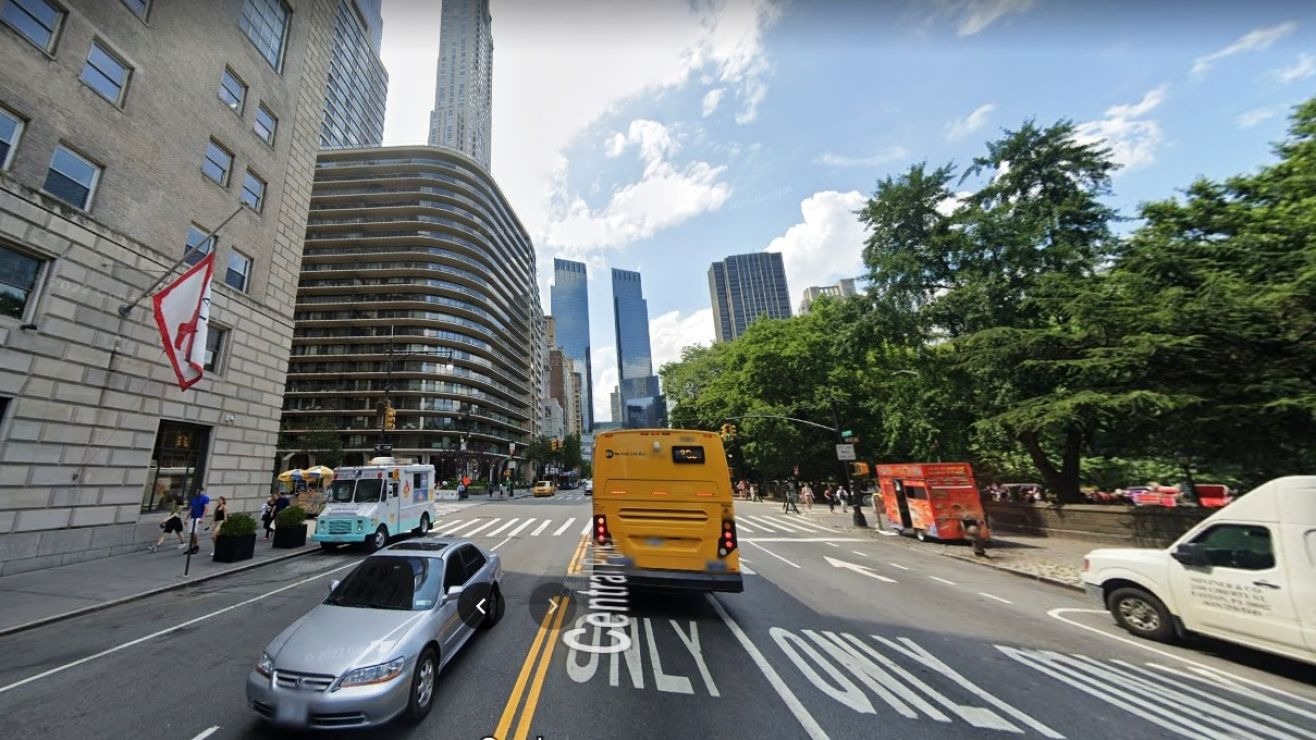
[[858, 519]]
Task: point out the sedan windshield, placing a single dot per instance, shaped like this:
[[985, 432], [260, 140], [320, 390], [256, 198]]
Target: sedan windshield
[[391, 582]]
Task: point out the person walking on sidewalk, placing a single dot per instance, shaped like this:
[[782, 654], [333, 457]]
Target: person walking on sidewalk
[[173, 524], [843, 496], [196, 514], [789, 503], [830, 495], [217, 521], [267, 515], [806, 495]]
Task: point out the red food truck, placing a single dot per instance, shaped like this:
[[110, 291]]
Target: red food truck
[[932, 500]]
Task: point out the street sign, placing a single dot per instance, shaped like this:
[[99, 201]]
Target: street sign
[[851, 440], [847, 433], [845, 452]]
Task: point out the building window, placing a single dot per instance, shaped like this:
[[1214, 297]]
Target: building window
[[218, 163], [105, 73], [215, 337], [253, 192], [72, 178], [19, 273], [138, 7], [178, 465], [232, 91], [37, 20], [239, 271], [266, 124], [266, 23], [11, 128], [198, 246]]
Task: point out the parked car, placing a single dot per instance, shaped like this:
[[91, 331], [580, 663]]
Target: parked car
[[544, 488], [373, 650]]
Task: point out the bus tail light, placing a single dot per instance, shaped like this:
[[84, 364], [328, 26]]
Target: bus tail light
[[727, 544], [601, 534]]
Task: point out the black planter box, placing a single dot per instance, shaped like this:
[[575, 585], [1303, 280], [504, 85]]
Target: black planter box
[[290, 536], [231, 549]]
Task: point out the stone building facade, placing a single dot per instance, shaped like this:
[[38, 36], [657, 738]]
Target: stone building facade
[[128, 137]]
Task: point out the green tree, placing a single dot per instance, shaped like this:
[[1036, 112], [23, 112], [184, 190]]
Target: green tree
[[570, 452], [325, 442]]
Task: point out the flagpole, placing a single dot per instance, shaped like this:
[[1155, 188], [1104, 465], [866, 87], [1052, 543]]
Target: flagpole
[[127, 308]]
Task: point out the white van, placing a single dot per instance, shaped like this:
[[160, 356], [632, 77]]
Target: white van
[[1246, 574], [371, 503]]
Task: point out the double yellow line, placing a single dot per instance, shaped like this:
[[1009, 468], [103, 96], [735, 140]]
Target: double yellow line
[[536, 664]]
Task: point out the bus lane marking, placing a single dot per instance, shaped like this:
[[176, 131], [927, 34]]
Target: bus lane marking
[[860, 569], [622, 642]]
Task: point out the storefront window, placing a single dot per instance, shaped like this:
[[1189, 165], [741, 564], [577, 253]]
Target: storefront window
[[177, 465]]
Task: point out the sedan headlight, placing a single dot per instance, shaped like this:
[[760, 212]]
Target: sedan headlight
[[265, 666], [373, 673]]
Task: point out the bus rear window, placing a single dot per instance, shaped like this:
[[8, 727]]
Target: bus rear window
[[688, 455]]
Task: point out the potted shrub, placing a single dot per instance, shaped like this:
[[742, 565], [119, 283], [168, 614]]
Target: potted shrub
[[290, 527], [237, 539]]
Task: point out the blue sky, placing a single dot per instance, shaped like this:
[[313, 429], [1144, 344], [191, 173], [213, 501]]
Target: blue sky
[[662, 136]]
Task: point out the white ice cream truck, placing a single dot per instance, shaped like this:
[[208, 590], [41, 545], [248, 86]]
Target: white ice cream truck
[[371, 503]]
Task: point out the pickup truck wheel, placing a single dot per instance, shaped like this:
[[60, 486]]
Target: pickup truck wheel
[[1141, 614]]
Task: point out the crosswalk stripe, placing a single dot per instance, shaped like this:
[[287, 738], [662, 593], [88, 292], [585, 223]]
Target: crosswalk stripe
[[510, 523], [585, 531], [517, 531], [759, 524], [541, 527], [790, 526], [563, 528], [446, 524], [487, 524], [740, 525], [808, 526], [461, 526]]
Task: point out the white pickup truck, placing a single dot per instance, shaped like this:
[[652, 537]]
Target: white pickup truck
[[1246, 574]]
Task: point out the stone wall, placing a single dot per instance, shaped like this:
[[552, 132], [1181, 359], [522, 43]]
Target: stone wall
[[1136, 526]]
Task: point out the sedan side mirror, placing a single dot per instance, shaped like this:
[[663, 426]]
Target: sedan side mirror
[[454, 592], [333, 585], [1191, 554]]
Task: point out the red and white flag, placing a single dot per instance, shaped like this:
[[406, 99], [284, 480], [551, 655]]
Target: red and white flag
[[182, 311]]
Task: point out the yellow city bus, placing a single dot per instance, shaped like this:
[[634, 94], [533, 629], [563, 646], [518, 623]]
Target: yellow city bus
[[663, 512]]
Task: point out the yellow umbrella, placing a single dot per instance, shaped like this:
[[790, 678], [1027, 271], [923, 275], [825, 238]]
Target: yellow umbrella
[[287, 476], [319, 472]]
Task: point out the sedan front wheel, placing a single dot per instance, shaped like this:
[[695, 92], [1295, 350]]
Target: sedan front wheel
[[422, 686]]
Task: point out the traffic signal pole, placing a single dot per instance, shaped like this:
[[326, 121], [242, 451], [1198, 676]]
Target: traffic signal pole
[[856, 503]]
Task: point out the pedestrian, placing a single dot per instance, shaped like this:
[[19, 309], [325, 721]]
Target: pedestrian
[[217, 521], [267, 514], [843, 496], [830, 495], [806, 495], [754, 493], [791, 497], [196, 513], [172, 524]]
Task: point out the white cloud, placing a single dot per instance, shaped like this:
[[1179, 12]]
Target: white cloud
[[711, 100], [1132, 139], [1254, 40], [890, 154], [827, 245], [665, 195], [671, 332], [956, 130], [615, 145], [1253, 117], [975, 15], [949, 205], [604, 362], [1303, 68]]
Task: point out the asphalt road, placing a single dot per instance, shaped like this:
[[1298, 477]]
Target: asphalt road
[[835, 636]]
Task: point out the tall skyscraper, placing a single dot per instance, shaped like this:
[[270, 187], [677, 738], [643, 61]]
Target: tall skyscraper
[[641, 401], [744, 287], [462, 118], [842, 289], [569, 305], [357, 88]]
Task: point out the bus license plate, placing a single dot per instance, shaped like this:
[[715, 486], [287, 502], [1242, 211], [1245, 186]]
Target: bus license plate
[[656, 541]]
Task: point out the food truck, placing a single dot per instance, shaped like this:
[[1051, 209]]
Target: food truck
[[932, 500], [374, 502]]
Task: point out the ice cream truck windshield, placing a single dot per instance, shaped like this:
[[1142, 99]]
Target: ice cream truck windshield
[[364, 491]]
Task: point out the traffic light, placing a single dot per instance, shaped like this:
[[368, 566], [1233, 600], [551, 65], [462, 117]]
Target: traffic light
[[555, 445], [859, 470], [390, 417]]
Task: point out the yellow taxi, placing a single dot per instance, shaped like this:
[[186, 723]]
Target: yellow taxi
[[544, 488]]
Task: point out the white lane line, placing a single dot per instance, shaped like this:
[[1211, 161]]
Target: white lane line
[[496, 532], [746, 560], [747, 571], [167, 630], [773, 554], [446, 524], [943, 580], [856, 552], [463, 525], [804, 539], [585, 531], [740, 525], [563, 528], [1055, 614], [206, 733], [812, 525], [790, 526], [898, 566], [1003, 601], [500, 544], [541, 528], [1214, 681], [806, 720], [833, 544], [887, 533], [486, 525], [517, 531], [765, 527]]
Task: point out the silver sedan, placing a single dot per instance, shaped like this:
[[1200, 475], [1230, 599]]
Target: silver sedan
[[373, 649]]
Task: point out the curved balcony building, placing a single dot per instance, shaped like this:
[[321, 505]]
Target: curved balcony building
[[417, 288]]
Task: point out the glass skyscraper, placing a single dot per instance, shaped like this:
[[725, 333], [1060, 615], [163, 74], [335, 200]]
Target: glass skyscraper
[[642, 404], [569, 306], [462, 118], [357, 87], [744, 287]]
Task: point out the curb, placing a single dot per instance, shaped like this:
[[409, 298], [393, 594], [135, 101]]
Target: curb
[[43, 621]]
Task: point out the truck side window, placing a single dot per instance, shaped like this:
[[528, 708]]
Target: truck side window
[[1242, 546], [418, 481]]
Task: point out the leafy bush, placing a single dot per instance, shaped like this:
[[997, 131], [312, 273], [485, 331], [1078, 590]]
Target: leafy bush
[[292, 516], [238, 525]]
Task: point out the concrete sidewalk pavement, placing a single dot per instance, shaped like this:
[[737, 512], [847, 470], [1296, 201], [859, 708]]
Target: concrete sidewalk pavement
[[1054, 560], [39, 597]]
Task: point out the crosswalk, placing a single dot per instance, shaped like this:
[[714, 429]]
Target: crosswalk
[[747, 526]]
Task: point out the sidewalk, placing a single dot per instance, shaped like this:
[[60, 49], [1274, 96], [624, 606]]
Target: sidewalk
[[1054, 560], [40, 596]]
